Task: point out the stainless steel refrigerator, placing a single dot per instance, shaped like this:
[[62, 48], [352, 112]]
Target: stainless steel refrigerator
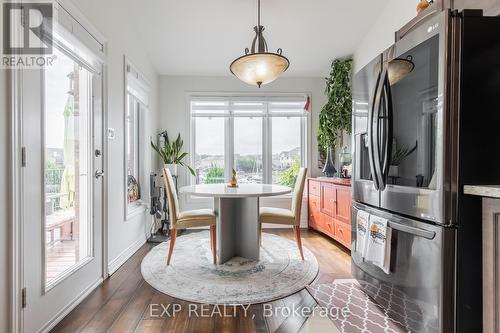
[[426, 122]]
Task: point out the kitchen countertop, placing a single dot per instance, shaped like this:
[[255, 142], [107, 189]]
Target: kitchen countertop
[[490, 191], [334, 180]]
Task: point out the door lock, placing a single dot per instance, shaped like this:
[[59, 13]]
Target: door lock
[[98, 174], [97, 152]]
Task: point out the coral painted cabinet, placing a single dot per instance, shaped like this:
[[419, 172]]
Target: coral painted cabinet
[[330, 208]]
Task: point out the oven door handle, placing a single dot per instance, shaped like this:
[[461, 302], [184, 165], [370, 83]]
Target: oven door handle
[[412, 230], [376, 133]]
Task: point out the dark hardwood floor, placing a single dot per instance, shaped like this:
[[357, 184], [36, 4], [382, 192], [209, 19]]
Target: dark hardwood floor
[[123, 302]]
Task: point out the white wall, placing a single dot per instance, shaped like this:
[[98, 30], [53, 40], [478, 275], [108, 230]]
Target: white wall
[[112, 20], [381, 35]]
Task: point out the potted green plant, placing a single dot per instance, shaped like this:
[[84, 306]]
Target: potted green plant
[[171, 152], [398, 156], [336, 116]]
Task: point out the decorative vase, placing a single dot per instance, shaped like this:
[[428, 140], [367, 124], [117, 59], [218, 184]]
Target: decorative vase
[[423, 4], [329, 168], [172, 168], [394, 171]]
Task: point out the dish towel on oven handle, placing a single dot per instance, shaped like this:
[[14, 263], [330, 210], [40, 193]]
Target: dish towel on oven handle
[[362, 224], [378, 247]]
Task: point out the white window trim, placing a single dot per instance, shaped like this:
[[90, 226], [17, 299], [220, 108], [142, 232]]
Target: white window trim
[[136, 84], [306, 131]]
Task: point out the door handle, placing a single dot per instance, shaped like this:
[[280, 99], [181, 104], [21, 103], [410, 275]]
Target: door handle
[[412, 230], [98, 174], [371, 142], [375, 137], [387, 120]]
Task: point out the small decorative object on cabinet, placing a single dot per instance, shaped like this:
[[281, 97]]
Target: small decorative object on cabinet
[[345, 162], [330, 208], [423, 4]]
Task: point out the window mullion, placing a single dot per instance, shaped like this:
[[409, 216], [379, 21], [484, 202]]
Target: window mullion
[[229, 147], [193, 148], [269, 147]]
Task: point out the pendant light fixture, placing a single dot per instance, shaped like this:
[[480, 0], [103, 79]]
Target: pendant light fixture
[[399, 68], [258, 66]]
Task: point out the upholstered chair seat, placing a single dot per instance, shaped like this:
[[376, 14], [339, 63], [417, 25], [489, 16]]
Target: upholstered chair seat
[[291, 216], [187, 219], [276, 215], [196, 218]]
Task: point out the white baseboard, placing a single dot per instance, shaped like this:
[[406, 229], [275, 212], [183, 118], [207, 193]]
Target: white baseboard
[[68, 308], [125, 255]]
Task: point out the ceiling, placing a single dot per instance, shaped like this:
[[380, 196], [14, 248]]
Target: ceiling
[[202, 37]]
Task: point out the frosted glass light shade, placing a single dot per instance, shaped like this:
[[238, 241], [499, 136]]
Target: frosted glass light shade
[[259, 68], [399, 68]]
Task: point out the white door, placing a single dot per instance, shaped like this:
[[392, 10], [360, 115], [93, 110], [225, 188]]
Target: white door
[[62, 128]]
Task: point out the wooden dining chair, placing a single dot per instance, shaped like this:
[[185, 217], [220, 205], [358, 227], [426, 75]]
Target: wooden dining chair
[[287, 216], [187, 219]]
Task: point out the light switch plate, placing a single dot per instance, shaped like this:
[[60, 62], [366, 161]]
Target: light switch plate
[[111, 133]]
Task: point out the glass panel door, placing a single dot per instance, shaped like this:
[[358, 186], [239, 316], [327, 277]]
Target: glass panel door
[[67, 204], [417, 74], [61, 186], [415, 104]]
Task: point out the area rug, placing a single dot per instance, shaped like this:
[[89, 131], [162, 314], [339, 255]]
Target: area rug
[[191, 275], [352, 311]]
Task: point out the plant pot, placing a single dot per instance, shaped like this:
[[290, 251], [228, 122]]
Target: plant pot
[[394, 171], [329, 168], [172, 168]]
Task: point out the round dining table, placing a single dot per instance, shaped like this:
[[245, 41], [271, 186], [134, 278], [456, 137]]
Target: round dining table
[[237, 211]]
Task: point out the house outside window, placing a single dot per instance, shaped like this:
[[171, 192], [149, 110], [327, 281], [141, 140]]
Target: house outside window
[[264, 138]]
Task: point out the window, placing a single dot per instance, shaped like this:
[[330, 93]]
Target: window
[[68, 140], [136, 104], [132, 151], [209, 156], [263, 138]]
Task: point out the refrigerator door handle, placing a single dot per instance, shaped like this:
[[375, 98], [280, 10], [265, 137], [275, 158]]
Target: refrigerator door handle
[[376, 134], [388, 129], [412, 230], [371, 142]]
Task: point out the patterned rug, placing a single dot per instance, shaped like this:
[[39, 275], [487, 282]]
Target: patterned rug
[[191, 275], [356, 312]]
